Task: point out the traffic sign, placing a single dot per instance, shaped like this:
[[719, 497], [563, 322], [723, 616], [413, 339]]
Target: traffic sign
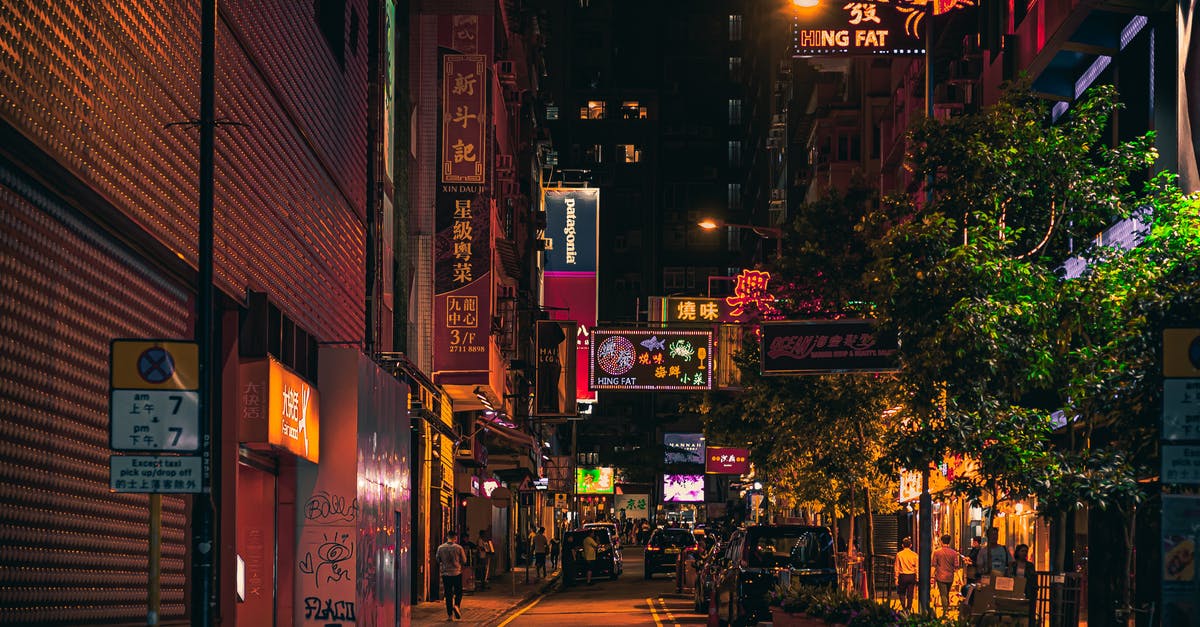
[[158, 474], [154, 365], [154, 420]]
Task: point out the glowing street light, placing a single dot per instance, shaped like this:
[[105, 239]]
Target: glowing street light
[[765, 232]]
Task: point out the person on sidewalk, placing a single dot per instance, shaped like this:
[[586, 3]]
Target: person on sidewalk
[[540, 546], [996, 557], [451, 558], [554, 549], [589, 555], [945, 562], [486, 550], [906, 574]]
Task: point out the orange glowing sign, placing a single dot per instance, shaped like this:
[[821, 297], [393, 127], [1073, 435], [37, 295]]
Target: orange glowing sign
[[280, 408], [464, 118], [751, 289]]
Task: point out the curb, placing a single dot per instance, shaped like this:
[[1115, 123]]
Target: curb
[[551, 584]]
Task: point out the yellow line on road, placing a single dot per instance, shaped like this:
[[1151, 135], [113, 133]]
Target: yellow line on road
[[522, 610], [667, 612], [653, 614]]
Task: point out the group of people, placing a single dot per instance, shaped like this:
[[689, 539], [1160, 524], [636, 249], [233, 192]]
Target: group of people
[[990, 559]]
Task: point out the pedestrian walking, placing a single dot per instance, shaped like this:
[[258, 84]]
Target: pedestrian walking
[[946, 561], [996, 556], [451, 558], [554, 553], [589, 555], [906, 574], [540, 546], [486, 549]]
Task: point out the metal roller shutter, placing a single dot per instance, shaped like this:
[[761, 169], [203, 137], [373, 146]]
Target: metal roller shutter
[[71, 552]]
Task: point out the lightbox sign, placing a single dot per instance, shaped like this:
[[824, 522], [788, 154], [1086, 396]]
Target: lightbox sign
[[650, 359], [554, 389], [595, 481], [683, 448], [683, 488], [572, 220], [698, 310], [464, 118], [724, 460], [279, 407], [858, 29], [821, 346]]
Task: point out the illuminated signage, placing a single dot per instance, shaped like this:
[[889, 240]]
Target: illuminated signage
[[634, 505], [650, 359], [683, 448], [462, 282], [554, 389], [489, 486], [280, 408], [750, 293], [595, 481], [820, 346], [858, 28], [723, 460], [464, 118], [570, 260], [699, 310], [683, 488]]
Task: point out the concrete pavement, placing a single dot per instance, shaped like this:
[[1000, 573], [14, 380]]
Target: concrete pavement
[[487, 607]]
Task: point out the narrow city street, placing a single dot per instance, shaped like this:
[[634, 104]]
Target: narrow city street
[[630, 600]]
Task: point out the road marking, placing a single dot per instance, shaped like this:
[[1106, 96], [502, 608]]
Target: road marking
[[653, 614], [523, 610], [667, 612]]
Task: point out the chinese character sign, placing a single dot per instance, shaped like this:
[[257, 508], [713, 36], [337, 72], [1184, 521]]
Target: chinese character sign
[[462, 280], [722, 460], [821, 346], [699, 310], [850, 28], [464, 118], [751, 293], [640, 359], [634, 505], [595, 481]]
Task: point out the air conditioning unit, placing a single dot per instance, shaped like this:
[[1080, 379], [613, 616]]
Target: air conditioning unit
[[504, 163], [504, 69]]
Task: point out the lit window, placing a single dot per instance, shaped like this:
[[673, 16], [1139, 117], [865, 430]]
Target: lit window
[[631, 110], [735, 69], [735, 196], [593, 111], [735, 111], [630, 153], [735, 153], [735, 27], [551, 112]]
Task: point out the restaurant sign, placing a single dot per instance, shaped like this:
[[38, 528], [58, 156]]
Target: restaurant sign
[[723, 460], [280, 408], [824, 346], [699, 310], [650, 359], [857, 29]]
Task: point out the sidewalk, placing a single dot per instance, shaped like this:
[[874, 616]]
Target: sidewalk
[[487, 607]]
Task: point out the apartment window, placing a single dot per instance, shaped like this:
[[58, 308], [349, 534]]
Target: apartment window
[[735, 153], [631, 110], [735, 27], [595, 153], [735, 69], [674, 278], [848, 148], [735, 196], [629, 153], [735, 111], [551, 112], [593, 111]]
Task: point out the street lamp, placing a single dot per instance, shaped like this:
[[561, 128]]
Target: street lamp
[[765, 232]]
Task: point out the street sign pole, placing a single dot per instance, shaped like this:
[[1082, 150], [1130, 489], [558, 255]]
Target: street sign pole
[[203, 536]]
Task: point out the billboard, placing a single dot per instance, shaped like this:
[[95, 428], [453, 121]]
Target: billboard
[[683, 488], [650, 359], [822, 346], [464, 118], [595, 481], [858, 29], [634, 505], [724, 460], [683, 448], [570, 260], [554, 388], [462, 282], [700, 310]]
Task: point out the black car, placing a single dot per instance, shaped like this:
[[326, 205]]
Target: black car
[[608, 556], [664, 549], [761, 556]]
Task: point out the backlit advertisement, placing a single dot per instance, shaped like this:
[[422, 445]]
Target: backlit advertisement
[[554, 389], [595, 481], [570, 258], [683, 448], [858, 29], [724, 460], [651, 359], [822, 346], [280, 408], [683, 488]]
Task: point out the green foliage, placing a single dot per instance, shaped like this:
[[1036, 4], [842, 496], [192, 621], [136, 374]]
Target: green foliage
[[844, 608]]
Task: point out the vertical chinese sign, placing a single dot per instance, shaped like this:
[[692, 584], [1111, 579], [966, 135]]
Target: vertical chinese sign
[[463, 247], [569, 285]]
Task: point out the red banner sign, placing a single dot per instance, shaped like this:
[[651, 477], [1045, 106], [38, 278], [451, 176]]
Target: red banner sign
[[464, 118], [722, 460]]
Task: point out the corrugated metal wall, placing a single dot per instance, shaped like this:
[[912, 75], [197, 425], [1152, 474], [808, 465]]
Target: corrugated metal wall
[[71, 551]]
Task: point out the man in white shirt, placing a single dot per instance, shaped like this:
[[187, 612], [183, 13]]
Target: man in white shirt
[[451, 558]]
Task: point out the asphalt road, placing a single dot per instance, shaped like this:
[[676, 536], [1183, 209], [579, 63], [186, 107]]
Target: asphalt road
[[630, 600]]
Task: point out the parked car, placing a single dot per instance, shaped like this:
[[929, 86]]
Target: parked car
[[611, 526], [763, 555], [609, 561], [664, 548]]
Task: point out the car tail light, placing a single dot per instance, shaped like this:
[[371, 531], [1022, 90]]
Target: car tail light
[[653, 548]]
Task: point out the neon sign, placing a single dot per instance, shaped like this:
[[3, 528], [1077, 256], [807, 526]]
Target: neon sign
[[751, 289]]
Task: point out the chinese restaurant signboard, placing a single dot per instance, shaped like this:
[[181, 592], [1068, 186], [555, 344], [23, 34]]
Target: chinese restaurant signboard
[[464, 118], [822, 346], [650, 359], [595, 481], [569, 281], [723, 460], [462, 282], [554, 390], [858, 29], [279, 408], [699, 310]]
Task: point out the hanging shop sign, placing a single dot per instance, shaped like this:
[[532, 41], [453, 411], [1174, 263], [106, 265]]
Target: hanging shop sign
[[595, 481], [571, 259], [683, 488], [683, 448], [279, 408], [723, 460], [650, 359], [554, 390], [634, 505], [686, 309], [858, 29], [464, 118], [825, 346]]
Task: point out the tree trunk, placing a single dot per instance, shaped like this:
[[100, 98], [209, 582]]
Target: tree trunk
[[869, 545]]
